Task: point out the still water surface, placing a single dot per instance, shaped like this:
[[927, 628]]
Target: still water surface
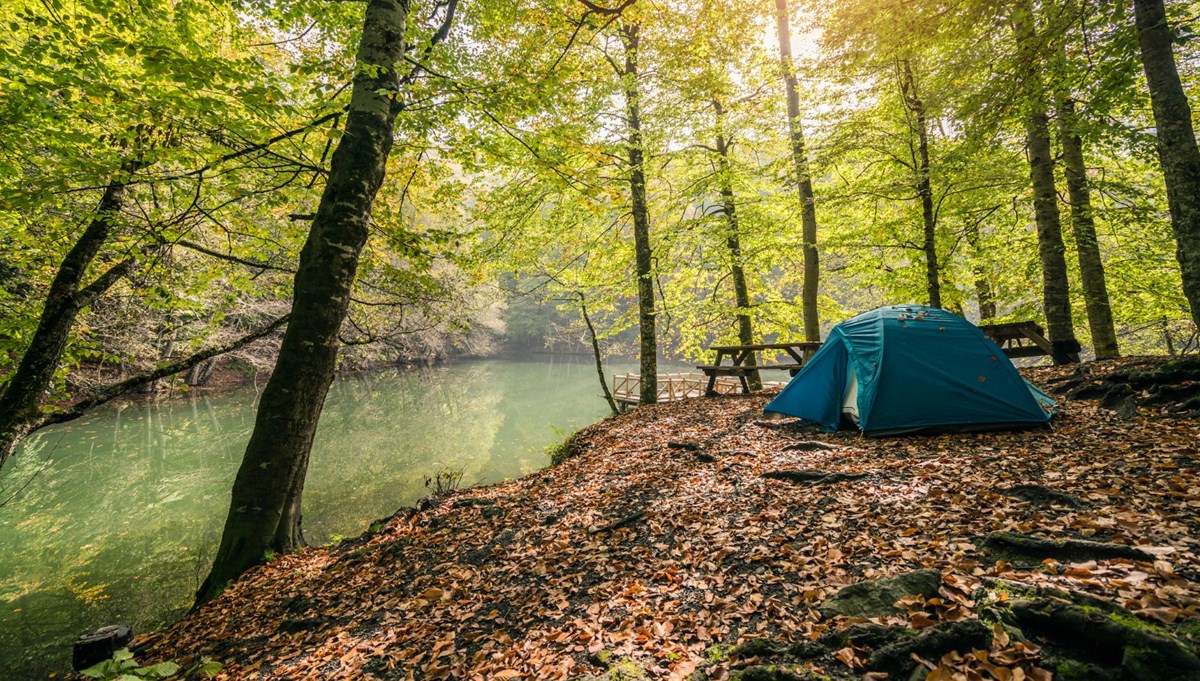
[[116, 516]]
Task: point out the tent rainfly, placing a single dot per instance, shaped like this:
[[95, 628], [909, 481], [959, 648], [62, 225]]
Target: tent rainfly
[[911, 368]]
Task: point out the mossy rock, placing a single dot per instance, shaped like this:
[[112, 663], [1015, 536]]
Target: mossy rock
[[619, 669], [1117, 644], [877, 598], [762, 672]]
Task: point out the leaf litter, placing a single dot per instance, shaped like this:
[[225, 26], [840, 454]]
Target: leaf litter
[[639, 549]]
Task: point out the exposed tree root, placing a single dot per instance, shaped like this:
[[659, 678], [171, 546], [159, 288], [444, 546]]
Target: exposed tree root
[[1020, 547]]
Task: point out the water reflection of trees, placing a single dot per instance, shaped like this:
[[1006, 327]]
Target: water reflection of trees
[[123, 521]]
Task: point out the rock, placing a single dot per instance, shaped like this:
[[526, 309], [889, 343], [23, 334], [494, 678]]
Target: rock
[[761, 672], [1016, 547], [943, 637], [99, 645], [1091, 640], [618, 669], [878, 597]]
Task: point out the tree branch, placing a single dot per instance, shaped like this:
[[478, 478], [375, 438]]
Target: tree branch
[[115, 390]]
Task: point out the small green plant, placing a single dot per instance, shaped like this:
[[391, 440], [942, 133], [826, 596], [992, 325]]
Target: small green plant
[[564, 450], [445, 480], [122, 667]]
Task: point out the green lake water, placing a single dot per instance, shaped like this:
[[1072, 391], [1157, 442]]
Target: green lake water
[[116, 516]]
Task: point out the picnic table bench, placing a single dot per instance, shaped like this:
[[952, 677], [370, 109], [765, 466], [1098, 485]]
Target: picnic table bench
[[742, 361], [1019, 339]]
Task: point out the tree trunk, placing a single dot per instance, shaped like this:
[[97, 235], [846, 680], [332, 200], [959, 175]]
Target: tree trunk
[[733, 241], [983, 285], [265, 509], [1176, 139], [1091, 266], [587, 320], [21, 400], [808, 213], [648, 355], [924, 187], [1056, 298]]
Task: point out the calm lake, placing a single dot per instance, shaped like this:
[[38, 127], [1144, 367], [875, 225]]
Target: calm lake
[[116, 516]]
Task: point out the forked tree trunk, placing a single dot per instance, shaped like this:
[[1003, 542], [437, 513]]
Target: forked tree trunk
[[924, 187], [808, 211], [1176, 140], [741, 292], [21, 400], [644, 270], [1056, 298], [1083, 224], [265, 509]]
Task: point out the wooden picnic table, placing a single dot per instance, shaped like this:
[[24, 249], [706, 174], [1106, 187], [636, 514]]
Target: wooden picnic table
[[1019, 339], [742, 361]]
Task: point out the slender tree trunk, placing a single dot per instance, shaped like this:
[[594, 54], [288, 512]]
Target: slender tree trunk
[[264, 511], [924, 187], [1056, 298], [1091, 265], [1176, 139], [21, 400], [587, 320], [648, 355], [808, 212], [983, 285], [733, 241]]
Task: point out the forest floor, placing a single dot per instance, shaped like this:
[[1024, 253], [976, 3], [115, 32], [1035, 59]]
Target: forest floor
[[697, 538]]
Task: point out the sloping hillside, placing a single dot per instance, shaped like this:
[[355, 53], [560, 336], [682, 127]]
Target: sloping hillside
[[675, 533]]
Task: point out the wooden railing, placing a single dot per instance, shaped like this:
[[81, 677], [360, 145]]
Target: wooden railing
[[626, 388]]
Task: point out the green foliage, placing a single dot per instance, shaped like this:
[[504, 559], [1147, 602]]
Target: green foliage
[[445, 480], [564, 450], [122, 667]]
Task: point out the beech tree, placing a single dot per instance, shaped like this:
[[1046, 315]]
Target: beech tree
[[266, 506], [1056, 301], [1175, 140], [808, 215]]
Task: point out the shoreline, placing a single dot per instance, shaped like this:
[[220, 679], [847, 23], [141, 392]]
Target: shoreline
[[662, 549]]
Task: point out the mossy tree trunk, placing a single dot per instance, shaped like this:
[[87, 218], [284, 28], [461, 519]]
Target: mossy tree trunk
[[1056, 297], [265, 508], [1176, 139], [21, 399], [920, 126], [808, 210], [1083, 224], [733, 241], [644, 270]]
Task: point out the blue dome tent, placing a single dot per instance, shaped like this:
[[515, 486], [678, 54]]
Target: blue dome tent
[[909, 368]]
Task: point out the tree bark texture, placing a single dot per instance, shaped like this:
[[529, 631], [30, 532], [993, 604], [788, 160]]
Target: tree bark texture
[[21, 399], [808, 212], [924, 187], [648, 354], [265, 508], [1091, 265], [1056, 298], [1176, 140], [733, 242]]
